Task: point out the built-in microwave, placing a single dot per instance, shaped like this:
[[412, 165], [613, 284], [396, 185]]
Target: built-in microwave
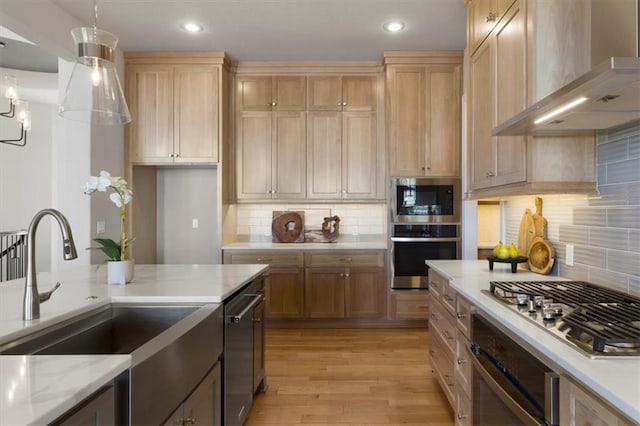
[[425, 200]]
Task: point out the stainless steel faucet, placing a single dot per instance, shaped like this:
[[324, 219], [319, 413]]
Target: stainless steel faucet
[[32, 299]]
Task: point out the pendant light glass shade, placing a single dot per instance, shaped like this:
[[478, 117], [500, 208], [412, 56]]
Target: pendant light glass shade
[[94, 93]]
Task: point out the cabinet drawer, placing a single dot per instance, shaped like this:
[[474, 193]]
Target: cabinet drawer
[[463, 315], [449, 298], [273, 258], [442, 364], [463, 369], [436, 284], [409, 305], [351, 258], [463, 409], [442, 323]]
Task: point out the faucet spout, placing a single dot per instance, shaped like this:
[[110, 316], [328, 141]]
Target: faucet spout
[[32, 299]]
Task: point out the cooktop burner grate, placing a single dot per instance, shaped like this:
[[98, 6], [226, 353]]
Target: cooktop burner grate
[[597, 319]]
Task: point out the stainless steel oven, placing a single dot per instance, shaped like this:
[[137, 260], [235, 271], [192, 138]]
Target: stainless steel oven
[[412, 244], [510, 385], [425, 200]]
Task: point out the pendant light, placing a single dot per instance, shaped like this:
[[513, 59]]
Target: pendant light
[[94, 93]]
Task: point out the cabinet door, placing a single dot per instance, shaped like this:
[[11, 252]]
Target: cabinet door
[[324, 93], [483, 16], [289, 93], [324, 152], [359, 93], [579, 407], [203, 407], [442, 121], [254, 155], [150, 99], [285, 294], [324, 292], [509, 44], [98, 411], [288, 155], [482, 152], [254, 93], [406, 125], [196, 114], [359, 157], [364, 293]]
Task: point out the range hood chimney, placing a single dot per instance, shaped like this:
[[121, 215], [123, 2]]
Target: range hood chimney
[[605, 97]]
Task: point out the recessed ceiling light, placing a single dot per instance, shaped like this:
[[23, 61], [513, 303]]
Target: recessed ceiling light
[[191, 27], [393, 26]]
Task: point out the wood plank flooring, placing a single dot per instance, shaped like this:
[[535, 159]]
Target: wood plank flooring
[[349, 377]]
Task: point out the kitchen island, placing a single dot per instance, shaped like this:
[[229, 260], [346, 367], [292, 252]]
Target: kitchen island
[[38, 389], [616, 381]]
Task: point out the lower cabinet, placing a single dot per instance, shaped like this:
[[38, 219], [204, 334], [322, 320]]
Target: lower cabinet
[[320, 284], [579, 407], [98, 410], [449, 347], [409, 305], [203, 406]]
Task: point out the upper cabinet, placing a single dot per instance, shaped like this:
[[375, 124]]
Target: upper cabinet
[[505, 77], [266, 93], [423, 116], [342, 93], [311, 136], [483, 16], [176, 107]]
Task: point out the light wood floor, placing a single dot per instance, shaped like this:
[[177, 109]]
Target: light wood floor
[[349, 377]]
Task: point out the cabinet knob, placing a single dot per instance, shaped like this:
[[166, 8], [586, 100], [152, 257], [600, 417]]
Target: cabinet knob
[[461, 416], [491, 17], [189, 421], [346, 275], [171, 155], [344, 103], [460, 315], [274, 103], [461, 361]]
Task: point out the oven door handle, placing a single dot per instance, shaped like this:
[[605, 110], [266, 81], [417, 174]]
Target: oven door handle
[[422, 240], [504, 396]]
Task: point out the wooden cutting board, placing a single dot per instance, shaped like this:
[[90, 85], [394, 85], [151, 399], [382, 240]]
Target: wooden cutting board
[[541, 256], [526, 233]]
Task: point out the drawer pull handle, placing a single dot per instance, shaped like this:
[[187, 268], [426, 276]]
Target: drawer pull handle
[[447, 335], [448, 298], [434, 317], [461, 416], [264, 259], [345, 259], [461, 315], [461, 361]]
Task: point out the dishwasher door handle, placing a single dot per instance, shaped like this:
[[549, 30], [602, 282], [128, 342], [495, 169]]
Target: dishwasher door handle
[[257, 298]]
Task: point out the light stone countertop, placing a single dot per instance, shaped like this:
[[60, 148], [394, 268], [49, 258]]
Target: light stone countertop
[[38, 389], [614, 380]]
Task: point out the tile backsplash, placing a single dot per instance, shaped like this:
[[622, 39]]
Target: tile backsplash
[[254, 220], [604, 230]]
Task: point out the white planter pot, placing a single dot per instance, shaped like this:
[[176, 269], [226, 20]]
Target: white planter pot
[[120, 272]]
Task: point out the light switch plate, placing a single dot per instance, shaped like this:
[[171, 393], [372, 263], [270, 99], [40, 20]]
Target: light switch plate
[[100, 227], [569, 254]]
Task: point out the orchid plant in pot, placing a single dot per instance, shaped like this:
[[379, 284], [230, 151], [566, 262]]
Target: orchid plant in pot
[[120, 267]]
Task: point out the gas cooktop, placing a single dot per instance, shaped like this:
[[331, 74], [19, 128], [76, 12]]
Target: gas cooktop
[[597, 321]]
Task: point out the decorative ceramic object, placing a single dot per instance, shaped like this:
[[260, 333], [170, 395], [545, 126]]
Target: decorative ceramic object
[[120, 272]]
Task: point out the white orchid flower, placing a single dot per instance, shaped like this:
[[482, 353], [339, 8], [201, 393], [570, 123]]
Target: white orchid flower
[[116, 198], [127, 196]]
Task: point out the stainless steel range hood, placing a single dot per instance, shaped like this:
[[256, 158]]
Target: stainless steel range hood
[[606, 97]]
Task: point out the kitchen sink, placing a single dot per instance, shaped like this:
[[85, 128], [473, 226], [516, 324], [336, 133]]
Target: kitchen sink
[[172, 348]]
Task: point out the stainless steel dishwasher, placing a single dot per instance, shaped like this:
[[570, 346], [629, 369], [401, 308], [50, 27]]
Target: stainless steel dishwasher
[[239, 354]]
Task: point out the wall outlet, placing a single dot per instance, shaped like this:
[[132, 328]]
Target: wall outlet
[[101, 227], [194, 223], [569, 254]]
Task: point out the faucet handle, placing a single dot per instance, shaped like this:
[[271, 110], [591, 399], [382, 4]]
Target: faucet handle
[[47, 294]]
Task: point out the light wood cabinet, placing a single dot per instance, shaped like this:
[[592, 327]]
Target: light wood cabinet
[[342, 93], [341, 155], [482, 17], [423, 119], [175, 109], [271, 93], [579, 407], [449, 347], [324, 292], [507, 73], [409, 305], [498, 91], [270, 155], [284, 288]]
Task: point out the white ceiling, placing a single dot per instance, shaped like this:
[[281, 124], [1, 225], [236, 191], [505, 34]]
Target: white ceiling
[[279, 30]]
